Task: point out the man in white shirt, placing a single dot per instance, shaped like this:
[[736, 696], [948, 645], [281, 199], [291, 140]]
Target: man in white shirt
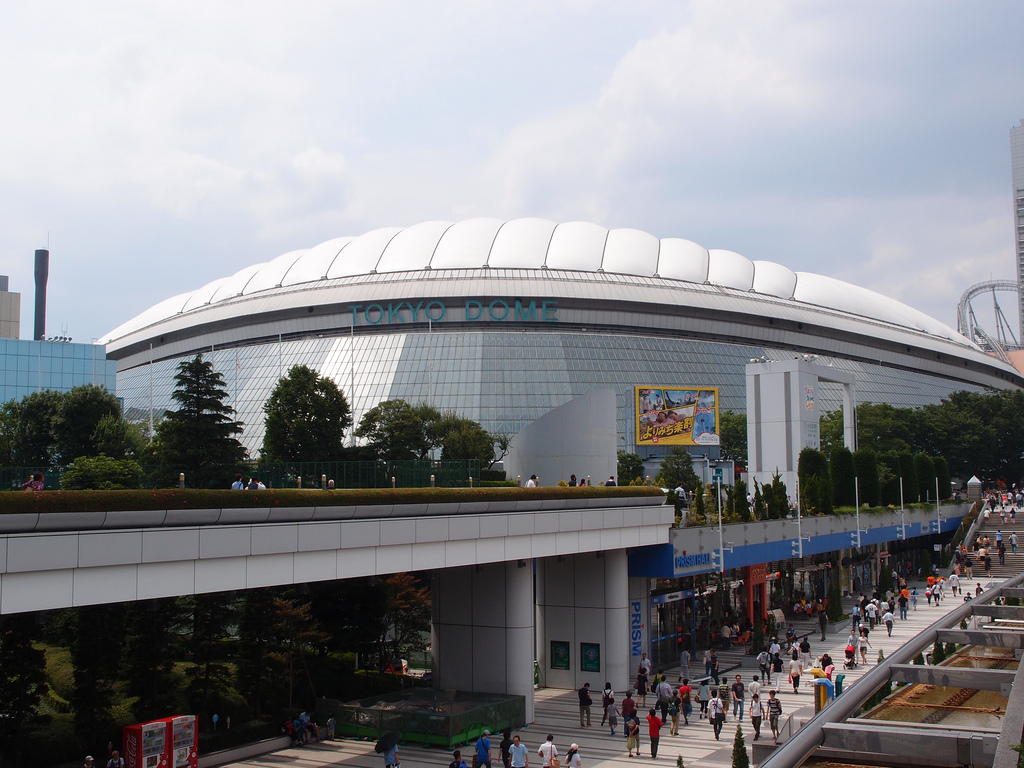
[[547, 751], [532, 482], [888, 618], [646, 664], [774, 648]]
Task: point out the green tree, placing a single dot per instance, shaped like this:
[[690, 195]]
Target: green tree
[[776, 498], [842, 470], [406, 620], [835, 593], [630, 467], [925, 471], [395, 430], [732, 429], [760, 505], [119, 438], [831, 431], [22, 684], [102, 473], [296, 630], [909, 475], [95, 653], [462, 439], [151, 644], [867, 477], [740, 758], [35, 442], [815, 485], [209, 675], [74, 425], [8, 426], [259, 668], [742, 502], [306, 418], [883, 427], [676, 469], [889, 478], [199, 437], [942, 474]]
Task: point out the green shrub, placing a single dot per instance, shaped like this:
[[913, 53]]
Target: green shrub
[[925, 471], [867, 477], [102, 473], [88, 501], [842, 471], [909, 475], [945, 481]]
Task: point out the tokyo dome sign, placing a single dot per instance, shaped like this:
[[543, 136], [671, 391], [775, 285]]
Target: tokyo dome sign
[[474, 310], [677, 416]]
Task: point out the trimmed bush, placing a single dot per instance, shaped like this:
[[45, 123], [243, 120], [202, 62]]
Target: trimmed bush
[[815, 485], [842, 471], [102, 473], [867, 476], [925, 471], [889, 478], [909, 475], [945, 481], [108, 501]]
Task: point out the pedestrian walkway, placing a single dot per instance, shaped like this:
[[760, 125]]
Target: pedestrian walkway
[[557, 712]]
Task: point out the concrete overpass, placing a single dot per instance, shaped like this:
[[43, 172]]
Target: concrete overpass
[[507, 575]]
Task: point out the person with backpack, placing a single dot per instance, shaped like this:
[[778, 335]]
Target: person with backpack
[[716, 713], [606, 698], [674, 707], [457, 762], [685, 694]]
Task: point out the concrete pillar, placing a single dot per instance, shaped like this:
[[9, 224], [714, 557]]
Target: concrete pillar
[[483, 629], [616, 618]]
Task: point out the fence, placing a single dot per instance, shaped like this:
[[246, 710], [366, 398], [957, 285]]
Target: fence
[[345, 474]]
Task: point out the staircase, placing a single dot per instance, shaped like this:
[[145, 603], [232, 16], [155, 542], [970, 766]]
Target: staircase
[[1014, 562]]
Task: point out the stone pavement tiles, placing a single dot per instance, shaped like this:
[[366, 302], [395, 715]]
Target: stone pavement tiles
[[557, 712]]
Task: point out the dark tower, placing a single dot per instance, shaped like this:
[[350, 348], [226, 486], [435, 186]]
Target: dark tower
[[42, 273]]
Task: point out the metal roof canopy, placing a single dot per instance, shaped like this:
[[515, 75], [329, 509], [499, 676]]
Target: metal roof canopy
[[932, 745], [956, 677], [837, 733]]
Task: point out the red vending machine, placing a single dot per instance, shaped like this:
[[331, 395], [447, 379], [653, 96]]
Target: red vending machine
[[145, 745], [183, 737]]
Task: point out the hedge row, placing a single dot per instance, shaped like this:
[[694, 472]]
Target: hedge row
[[112, 501]]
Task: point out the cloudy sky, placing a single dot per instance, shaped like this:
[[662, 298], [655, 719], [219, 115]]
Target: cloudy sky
[[161, 145]]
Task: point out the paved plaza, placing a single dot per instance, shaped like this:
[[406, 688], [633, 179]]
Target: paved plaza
[[558, 713]]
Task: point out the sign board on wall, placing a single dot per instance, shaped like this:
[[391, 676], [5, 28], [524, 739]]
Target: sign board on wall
[[677, 415]]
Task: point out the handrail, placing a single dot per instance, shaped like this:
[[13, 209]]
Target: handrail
[[811, 736], [975, 526]]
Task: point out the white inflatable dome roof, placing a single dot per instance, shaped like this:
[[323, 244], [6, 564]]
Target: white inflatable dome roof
[[539, 244]]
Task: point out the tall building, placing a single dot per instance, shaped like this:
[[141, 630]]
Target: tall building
[[1017, 163], [10, 310]]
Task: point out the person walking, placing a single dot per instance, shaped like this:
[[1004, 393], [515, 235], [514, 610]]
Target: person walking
[[606, 698], [774, 712], [738, 701], [665, 693], [391, 757], [822, 620], [714, 667], [613, 715], [684, 661], [483, 750], [756, 713], [675, 707], [889, 620], [505, 748], [633, 735], [519, 755], [703, 696], [654, 724], [628, 706], [1013, 543], [572, 758], [864, 645], [548, 752], [585, 704], [716, 713], [795, 670], [641, 687], [764, 663], [685, 696]]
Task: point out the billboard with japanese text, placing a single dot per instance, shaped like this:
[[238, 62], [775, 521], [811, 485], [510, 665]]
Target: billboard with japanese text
[[677, 416]]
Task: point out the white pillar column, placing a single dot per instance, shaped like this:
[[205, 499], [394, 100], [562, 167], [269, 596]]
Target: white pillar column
[[616, 618]]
